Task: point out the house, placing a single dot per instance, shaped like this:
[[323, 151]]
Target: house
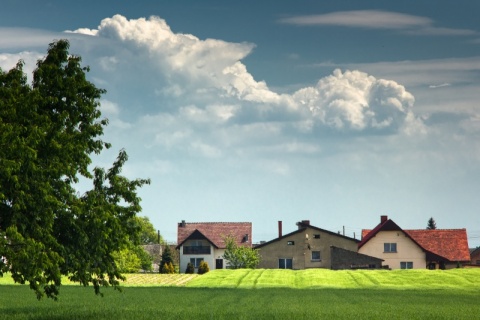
[[309, 247], [475, 256], [204, 241], [415, 249]]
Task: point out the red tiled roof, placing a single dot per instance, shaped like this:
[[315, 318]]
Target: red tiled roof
[[215, 232], [451, 244]]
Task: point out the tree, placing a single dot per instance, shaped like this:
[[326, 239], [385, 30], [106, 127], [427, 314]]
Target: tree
[[166, 258], [127, 261], [432, 225], [203, 267], [48, 132], [190, 268], [239, 257], [148, 234]]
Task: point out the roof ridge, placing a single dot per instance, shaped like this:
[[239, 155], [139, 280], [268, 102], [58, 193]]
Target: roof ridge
[[458, 229], [214, 222]]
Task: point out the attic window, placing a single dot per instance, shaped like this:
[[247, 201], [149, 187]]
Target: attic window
[[316, 236], [389, 247], [290, 243]]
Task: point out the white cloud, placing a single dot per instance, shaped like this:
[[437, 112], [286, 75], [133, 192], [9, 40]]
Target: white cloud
[[356, 100], [208, 74], [378, 19], [195, 96]]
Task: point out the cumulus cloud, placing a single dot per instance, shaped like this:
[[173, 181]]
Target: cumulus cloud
[[356, 100], [196, 95], [349, 100]]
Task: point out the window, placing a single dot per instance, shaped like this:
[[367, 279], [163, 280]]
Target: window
[[290, 243], [196, 247], [478, 262], [316, 256], [316, 236], [389, 247], [406, 265], [285, 263], [196, 261]]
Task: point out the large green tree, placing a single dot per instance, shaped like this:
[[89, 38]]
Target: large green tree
[[48, 132]]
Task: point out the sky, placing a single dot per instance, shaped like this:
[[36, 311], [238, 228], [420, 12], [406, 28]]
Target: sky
[[336, 112]]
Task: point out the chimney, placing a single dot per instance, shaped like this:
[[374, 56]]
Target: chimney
[[279, 229], [383, 219], [306, 222], [183, 224]]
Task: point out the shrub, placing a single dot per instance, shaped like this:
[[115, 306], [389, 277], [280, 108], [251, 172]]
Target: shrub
[[203, 268], [168, 268], [190, 268]]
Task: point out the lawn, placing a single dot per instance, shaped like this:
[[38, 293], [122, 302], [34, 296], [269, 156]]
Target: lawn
[[262, 294]]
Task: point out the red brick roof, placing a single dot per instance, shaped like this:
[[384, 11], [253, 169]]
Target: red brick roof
[[451, 244], [215, 232]]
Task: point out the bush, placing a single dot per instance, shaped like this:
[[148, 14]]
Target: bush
[[203, 268], [168, 268], [190, 268]]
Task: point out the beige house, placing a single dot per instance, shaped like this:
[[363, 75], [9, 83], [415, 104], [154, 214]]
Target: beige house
[[307, 247], [415, 249]]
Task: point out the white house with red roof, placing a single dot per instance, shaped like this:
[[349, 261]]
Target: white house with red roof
[[415, 249], [205, 241]]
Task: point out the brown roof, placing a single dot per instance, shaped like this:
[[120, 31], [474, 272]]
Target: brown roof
[[451, 244], [215, 232]]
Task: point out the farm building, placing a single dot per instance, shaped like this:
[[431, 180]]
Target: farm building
[[312, 247], [475, 256], [204, 241], [415, 249]]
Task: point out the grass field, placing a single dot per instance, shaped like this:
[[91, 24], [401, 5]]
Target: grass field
[[262, 294]]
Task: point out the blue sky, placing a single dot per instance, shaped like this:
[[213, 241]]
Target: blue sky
[[332, 111]]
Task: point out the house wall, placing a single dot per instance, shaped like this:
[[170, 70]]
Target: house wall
[[301, 251], [208, 258], [407, 250]]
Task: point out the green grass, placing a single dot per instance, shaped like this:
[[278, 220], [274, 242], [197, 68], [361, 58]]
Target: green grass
[[261, 294]]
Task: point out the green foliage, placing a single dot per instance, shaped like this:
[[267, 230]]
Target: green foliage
[[239, 257], [127, 261], [431, 225], [48, 132], [203, 267], [167, 268], [190, 268], [166, 258], [148, 234]]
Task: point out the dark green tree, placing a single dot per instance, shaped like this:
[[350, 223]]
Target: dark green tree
[[48, 132], [239, 257], [167, 257], [431, 225], [190, 268]]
